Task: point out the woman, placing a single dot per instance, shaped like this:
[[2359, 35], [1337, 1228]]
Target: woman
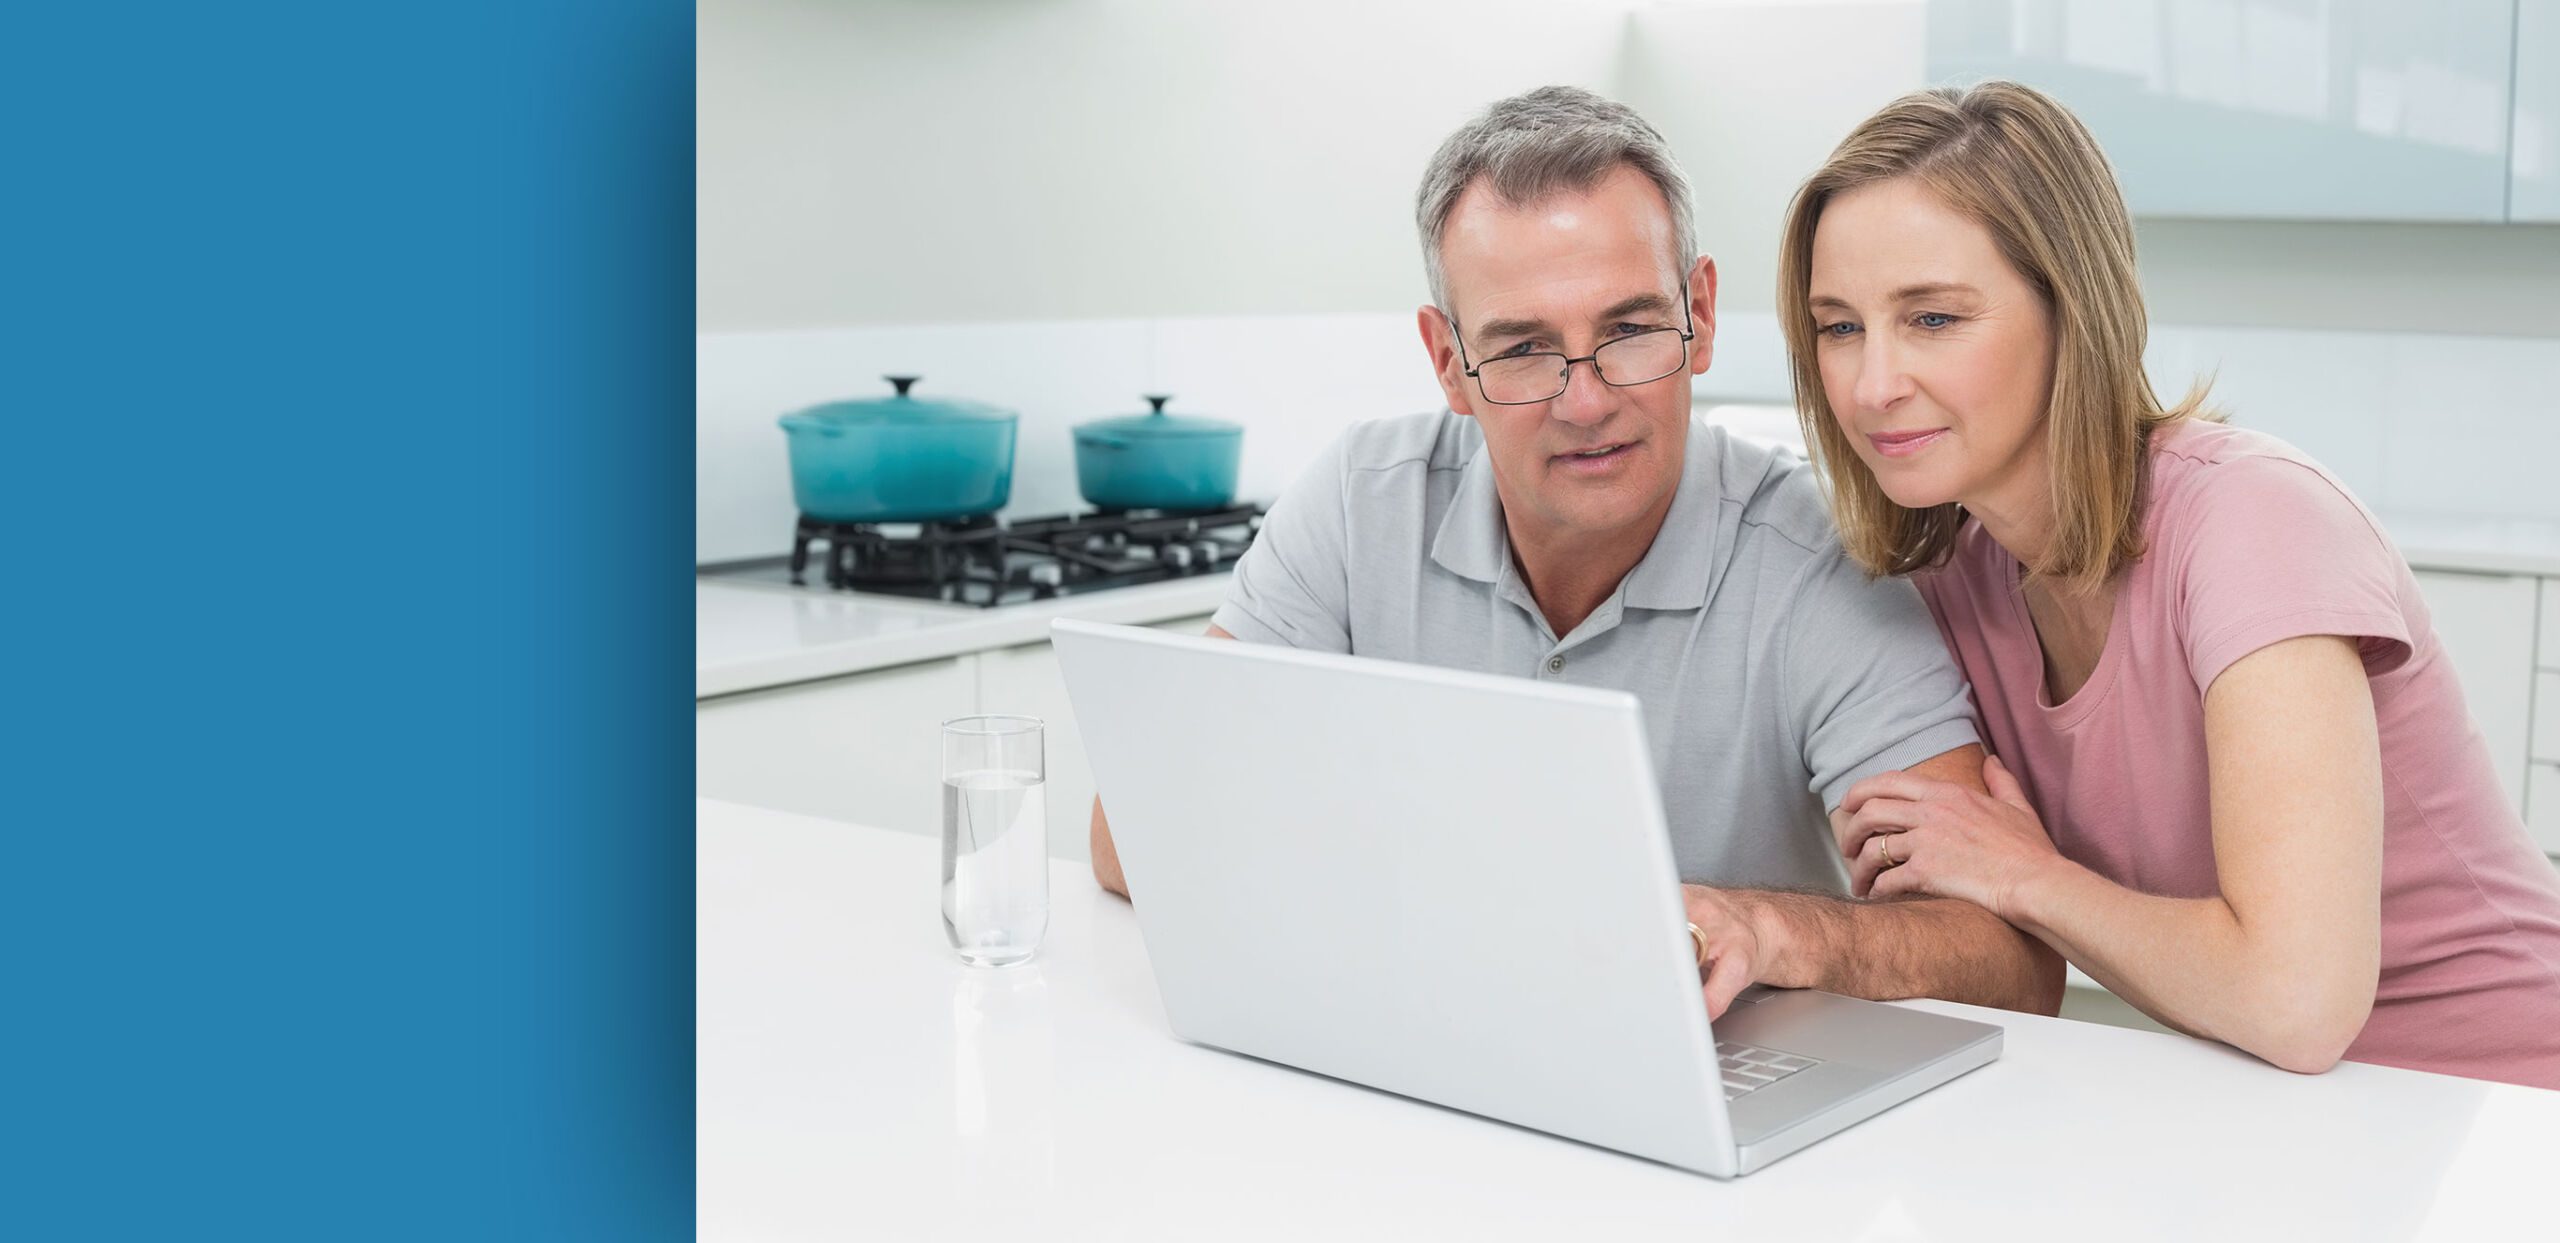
[[2236, 782]]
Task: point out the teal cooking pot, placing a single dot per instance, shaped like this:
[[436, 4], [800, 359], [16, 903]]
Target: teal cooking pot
[[900, 458], [1158, 460]]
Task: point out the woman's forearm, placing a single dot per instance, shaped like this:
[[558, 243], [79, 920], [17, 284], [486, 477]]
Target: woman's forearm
[[2191, 964]]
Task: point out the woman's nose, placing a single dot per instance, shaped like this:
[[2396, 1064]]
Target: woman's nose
[[1883, 381]]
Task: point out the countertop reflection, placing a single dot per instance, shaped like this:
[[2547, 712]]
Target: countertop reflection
[[855, 1080]]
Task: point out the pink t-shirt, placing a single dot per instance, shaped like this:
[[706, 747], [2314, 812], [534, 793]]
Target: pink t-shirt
[[2251, 543]]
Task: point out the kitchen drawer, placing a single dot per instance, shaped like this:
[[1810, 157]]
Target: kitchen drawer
[[2546, 716], [2542, 806], [2486, 624], [866, 748], [2547, 652], [1026, 680]]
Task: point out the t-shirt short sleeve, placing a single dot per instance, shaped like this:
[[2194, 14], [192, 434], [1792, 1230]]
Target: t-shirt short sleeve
[[1292, 587], [1867, 682], [2270, 549]]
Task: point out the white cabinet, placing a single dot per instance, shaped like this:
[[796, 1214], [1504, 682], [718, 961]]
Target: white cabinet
[[1026, 680], [2085, 1000], [2542, 777], [2548, 650], [2486, 623], [2546, 721], [865, 748], [2347, 110], [2533, 190], [2542, 807]]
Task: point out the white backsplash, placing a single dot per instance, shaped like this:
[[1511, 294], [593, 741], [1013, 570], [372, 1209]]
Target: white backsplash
[[2415, 423], [1291, 381]]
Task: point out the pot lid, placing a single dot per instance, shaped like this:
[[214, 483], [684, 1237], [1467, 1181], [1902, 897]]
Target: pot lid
[[901, 407], [1157, 423]]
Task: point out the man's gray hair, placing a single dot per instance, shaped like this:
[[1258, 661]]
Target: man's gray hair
[[1549, 141]]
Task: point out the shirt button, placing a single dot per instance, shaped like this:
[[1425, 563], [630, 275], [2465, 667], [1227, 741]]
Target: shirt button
[[1555, 664]]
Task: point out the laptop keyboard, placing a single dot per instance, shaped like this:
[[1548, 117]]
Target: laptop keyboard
[[1749, 1068]]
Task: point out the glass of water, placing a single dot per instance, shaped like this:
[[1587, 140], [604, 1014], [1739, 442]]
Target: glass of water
[[995, 838]]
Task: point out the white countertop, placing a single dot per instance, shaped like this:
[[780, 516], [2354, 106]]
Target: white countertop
[[753, 635], [854, 1080], [747, 636]]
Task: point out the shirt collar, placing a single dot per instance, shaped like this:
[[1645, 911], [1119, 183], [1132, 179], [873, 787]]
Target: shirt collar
[[1675, 571], [1472, 542]]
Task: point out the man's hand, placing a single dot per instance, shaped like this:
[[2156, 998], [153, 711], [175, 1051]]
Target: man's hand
[[1737, 952], [1905, 945]]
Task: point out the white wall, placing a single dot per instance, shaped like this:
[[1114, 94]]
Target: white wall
[[909, 161], [1058, 205], [1754, 95], [2416, 423], [2485, 279], [926, 161], [1055, 374]]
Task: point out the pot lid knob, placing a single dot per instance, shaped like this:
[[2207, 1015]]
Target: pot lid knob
[[902, 381], [1157, 400]]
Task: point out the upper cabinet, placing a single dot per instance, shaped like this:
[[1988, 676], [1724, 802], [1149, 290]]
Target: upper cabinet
[[2534, 194], [2283, 109]]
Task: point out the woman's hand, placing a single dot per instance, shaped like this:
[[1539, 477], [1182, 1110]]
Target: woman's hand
[[1905, 834]]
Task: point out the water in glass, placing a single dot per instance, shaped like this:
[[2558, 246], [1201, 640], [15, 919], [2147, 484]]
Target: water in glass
[[995, 864]]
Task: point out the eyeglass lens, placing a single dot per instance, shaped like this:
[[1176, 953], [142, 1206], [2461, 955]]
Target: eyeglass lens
[[1639, 359]]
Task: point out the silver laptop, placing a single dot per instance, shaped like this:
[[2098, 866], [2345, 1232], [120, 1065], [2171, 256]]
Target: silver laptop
[[1455, 887]]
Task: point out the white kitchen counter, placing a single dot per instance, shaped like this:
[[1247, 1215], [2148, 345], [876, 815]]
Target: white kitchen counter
[[749, 636], [853, 1080]]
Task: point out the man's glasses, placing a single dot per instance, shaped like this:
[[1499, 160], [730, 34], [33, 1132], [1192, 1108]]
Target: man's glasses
[[1621, 362]]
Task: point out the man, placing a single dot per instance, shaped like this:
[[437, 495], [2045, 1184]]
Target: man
[[1565, 521]]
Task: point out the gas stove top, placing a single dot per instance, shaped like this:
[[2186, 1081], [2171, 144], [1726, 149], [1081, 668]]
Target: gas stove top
[[983, 563]]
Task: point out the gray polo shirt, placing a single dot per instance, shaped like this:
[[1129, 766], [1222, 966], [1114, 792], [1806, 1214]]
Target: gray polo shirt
[[1773, 673]]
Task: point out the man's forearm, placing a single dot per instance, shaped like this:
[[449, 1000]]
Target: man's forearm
[[1106, 855], [1886, 950]]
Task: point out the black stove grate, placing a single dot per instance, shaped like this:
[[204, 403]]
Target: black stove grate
[[983, 562]]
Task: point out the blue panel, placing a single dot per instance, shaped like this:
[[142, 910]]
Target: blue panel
[[348, 891], [2359, 110], [2535, 162]]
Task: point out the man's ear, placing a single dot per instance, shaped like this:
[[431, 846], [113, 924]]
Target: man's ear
[[1702, 314], [1439, 342]]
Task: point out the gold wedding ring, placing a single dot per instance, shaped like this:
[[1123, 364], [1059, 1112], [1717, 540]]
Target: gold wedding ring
[[1884, 851], [1699, 935]]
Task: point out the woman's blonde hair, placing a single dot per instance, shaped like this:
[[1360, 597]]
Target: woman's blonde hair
[[2017, 162]]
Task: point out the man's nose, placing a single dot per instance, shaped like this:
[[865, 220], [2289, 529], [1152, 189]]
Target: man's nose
[[1586, 398], [1883, 380]]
